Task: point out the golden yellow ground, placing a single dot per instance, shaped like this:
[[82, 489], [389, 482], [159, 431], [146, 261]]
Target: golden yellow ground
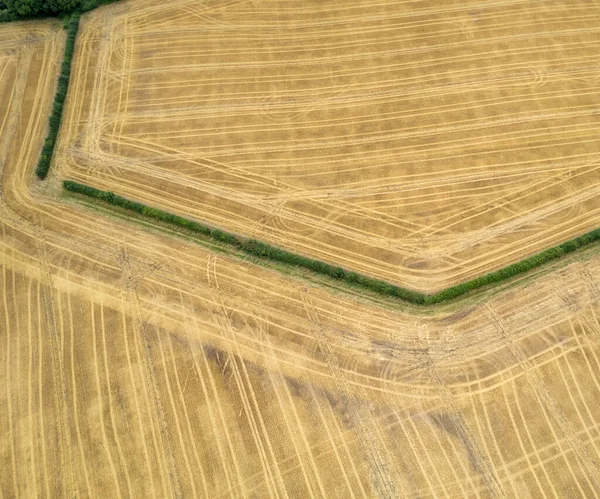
[[138, 364], [419, 142]]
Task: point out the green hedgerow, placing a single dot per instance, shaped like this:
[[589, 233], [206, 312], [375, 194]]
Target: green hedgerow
[[265, 251], [59, 99]]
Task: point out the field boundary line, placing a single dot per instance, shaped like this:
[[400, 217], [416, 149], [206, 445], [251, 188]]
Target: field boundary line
[[43, 166], [71, 25], [265, 251]]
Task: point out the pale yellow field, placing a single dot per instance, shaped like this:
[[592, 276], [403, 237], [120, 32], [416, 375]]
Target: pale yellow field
[[421, 142], [137, 364]]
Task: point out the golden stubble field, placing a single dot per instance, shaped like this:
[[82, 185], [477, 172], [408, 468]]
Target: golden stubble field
[[421, 143], [135, 364]]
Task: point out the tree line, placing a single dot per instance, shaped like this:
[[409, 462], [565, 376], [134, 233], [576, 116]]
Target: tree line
[[267, 252], [30, 8], [15, 10], [59, 99]]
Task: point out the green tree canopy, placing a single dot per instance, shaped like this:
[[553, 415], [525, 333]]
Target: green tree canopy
[[25, 8]]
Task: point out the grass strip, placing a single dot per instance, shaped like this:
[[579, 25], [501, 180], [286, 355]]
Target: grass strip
[[266, 251], [43, 165]]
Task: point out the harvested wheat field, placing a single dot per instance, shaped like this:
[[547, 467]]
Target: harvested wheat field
[[418, 142], [138, 363]]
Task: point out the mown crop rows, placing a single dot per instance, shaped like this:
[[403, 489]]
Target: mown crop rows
[[422, 146], [134, 363]]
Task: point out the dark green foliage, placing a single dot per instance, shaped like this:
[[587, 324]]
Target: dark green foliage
[[7, 16], [516, 268], [92, 4], [59, 99], [30, 8], [249, 246], [155, 213], [266, 251], [16, 10]]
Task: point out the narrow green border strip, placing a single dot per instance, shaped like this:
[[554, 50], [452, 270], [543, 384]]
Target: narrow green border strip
[[59, 98], [265, 251], [71, 24]]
